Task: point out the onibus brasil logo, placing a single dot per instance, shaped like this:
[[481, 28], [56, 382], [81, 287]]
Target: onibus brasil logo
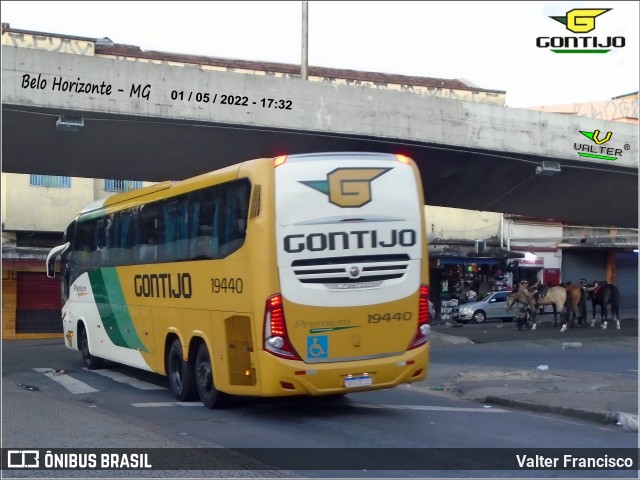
[[580, 21], [598, 150]]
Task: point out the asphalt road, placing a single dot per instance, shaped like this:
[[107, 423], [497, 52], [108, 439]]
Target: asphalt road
[[128, 408], [588, 349]]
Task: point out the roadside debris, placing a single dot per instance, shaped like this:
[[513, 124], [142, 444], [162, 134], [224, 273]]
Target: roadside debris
[[28, 387]]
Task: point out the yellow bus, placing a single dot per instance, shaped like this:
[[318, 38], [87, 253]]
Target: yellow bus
[[296, 275]]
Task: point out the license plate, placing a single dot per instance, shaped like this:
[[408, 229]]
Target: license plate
[[352, 382]]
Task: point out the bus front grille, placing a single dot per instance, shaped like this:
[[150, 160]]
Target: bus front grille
[[354, 270]]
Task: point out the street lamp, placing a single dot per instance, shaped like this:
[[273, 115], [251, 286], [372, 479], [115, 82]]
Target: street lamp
[[304, 70]]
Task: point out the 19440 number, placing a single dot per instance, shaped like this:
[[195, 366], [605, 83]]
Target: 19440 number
[[388, 317], [227, 285]]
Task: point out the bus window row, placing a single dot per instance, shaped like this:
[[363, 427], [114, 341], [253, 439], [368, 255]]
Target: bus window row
[[203, 224]]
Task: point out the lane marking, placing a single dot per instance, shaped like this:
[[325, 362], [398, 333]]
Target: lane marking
[[122, 378], [71, 384], [358, 405], [433, 408], [167, 404]]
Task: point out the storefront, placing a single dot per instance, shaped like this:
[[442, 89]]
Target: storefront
[[619, 267], [541, 266], [451, 276], [627, 278], [31, 301]]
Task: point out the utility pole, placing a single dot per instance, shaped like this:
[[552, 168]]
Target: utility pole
[[304, 70]]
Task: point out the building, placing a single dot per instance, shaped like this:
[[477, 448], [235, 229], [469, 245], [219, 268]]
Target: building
[[31, 301], [36, 209], [596, 253], [488, 249]]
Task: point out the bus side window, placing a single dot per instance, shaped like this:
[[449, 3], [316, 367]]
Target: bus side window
[[176, 229], [204, 238], [147, 250], [120, 244], [99, 254], [234, 222]]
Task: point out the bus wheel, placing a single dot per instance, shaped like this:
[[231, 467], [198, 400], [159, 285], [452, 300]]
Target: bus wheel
[[180, 374], [209, 394], [89, 360]]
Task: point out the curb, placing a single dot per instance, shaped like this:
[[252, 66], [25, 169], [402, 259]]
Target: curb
[[626, 420]]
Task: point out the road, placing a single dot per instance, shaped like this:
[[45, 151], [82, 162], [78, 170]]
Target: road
[[582, 349], [121, 407]]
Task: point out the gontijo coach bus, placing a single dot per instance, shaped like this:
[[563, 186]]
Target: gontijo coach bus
[[299, 275]]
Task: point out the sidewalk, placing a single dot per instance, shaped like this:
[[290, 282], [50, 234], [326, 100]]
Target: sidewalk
[[604, 398]]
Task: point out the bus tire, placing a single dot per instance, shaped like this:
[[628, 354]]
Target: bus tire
[[209, 394], [90, 361], [180, 373]]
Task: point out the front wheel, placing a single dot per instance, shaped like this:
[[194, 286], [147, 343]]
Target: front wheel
[[90, 361], [209, 394], [180, 373], [479, 316]]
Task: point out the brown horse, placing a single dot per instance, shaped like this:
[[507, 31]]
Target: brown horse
[[576, 304], [554, 296]]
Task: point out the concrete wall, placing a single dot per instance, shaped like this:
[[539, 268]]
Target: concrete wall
[[45, 209], [316, 107], [621, 109], [83, 47], [49, 43], [459, 224]]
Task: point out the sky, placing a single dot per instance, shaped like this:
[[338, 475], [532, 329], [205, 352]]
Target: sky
[[490, 44]]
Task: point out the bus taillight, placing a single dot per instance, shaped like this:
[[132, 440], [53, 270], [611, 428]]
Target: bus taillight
[[276, 339], [423, 331], [403, 158], [279, 160]]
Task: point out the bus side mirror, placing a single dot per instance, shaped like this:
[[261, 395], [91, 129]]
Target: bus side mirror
[[51, 269], [51, 258]]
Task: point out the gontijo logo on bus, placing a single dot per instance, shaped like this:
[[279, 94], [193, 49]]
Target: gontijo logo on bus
[[581, 20], [348, 187]]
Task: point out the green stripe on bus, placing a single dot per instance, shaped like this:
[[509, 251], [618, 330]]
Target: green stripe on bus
[[112, 308]]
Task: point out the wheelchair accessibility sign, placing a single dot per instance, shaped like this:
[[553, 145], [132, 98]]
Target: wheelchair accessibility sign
[[318, 346]]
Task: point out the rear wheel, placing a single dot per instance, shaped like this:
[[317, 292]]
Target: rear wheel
[[90, 361], [209, 394], [479, 316], [181, 374]]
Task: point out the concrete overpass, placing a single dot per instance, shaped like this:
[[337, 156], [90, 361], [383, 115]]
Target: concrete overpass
[[156, 121]]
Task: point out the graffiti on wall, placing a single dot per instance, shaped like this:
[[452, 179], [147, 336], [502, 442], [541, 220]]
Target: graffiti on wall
[[621, 109], [52, 44]]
